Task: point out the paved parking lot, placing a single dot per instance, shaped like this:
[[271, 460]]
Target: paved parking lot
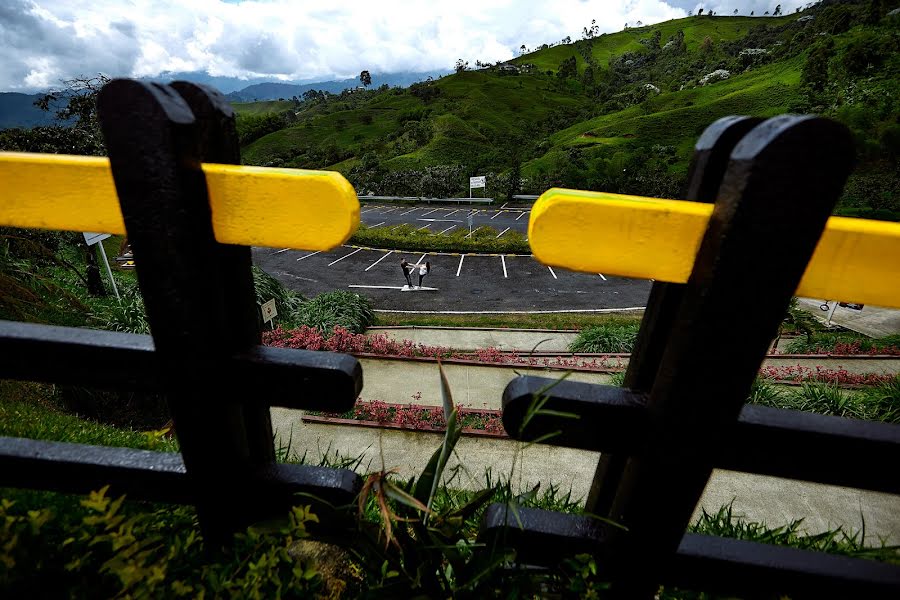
[[447, 219], [468, 282]]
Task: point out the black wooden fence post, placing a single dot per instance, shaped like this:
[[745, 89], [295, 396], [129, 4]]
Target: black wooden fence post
[[219, 144], [154, 147], [708, 166], [786, 171]]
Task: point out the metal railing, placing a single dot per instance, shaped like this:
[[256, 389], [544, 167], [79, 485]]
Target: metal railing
[[724, 275]]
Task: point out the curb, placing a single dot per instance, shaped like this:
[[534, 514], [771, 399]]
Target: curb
[[449, 328]]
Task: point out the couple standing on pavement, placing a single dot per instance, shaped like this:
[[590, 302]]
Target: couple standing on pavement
[[409, 269]]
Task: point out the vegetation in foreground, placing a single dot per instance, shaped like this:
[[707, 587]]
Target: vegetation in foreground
[[414, 537]]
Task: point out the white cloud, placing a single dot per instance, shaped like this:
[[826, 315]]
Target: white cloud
[[46, 40]]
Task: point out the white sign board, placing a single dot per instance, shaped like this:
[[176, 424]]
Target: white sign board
[[94, 238], [477, 182], [268, 311]]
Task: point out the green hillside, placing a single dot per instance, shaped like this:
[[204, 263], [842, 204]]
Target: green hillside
[[619, 112], [261, 107]]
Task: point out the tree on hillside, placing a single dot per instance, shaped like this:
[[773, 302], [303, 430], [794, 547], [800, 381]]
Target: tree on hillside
[[74, 105], [699, 12], [591, 30], [814, 76], [777, 12], [522, 50], [461, 65], [365, 78], [567, 68]]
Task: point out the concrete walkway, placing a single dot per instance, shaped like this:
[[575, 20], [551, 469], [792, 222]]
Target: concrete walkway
[[758, 498], [470, 339], [873, 321]]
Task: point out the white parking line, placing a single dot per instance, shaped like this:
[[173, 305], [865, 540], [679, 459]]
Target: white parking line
[[390, 210], [280, 251], [458, 269], [474, 230], [397, 226], [374, 226], [601, 276], [504, 205], [521, 215], [455, 211], [407, 212], [497, 215], [448, 229], [308, 255], [503, 260], [362, 212], [502, 232], [419, 262], [379, 260], [429, 212], [426, 226], [552, 273], [345, 256]]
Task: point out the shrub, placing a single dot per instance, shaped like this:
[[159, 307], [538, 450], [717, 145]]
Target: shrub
[[267, 287], [880, 402], [126, 315], [106, 552], [340, 308], [612, 337]]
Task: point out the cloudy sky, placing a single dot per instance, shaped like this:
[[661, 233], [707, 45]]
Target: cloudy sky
[[44, 41]]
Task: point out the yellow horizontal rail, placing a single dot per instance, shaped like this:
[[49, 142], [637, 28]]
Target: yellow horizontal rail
[[251, 206], [856, 260]]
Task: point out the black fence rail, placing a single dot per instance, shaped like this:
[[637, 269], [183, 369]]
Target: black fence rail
[[680, 414]]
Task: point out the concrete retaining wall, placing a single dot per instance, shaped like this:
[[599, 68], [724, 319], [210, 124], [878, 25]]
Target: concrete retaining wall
[[758, 498], [481, 386]]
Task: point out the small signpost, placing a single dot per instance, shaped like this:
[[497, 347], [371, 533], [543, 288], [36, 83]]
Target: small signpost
[[269, 311], [477, 182], [95, 238], [470, 223]]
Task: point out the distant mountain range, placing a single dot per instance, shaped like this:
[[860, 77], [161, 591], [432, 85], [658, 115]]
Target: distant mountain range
[[276, 90], [18, 110]]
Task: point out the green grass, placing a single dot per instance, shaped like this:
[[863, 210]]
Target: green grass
[[557, 321], [409, 237], [29, 410]]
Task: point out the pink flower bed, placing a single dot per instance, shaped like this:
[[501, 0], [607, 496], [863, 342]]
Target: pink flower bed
[[799, 374], [342, 340], [421, 418], [845, 348]]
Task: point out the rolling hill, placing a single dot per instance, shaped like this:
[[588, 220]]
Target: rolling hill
[[473, 117], [619, 112]]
